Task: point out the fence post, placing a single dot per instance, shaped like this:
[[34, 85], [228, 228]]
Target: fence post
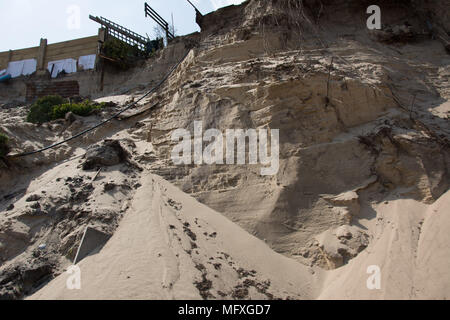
[[41, 56], [99, 64], [10, 54], [101, 35]]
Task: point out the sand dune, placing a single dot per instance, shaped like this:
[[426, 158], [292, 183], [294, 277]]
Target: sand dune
[[154, 254]]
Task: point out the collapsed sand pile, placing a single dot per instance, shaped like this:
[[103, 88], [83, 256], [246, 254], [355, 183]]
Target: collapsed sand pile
[[363, 177], [171, 247]]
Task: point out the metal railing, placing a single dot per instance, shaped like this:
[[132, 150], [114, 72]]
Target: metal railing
[[149, 12]]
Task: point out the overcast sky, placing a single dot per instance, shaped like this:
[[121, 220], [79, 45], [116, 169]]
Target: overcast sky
[[24, 22]]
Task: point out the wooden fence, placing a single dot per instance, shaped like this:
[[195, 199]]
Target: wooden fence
[[46, 53]]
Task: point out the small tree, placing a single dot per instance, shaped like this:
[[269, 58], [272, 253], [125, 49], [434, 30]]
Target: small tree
[[159, 32]]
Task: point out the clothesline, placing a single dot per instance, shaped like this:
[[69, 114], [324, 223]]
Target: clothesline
[[70, 65], [22, 68], [29, 66], [66, 65]]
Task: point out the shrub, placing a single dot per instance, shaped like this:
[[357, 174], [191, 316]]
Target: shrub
[[54, 107], [123, 54], [4, 148], [82, 109], [41, 111]]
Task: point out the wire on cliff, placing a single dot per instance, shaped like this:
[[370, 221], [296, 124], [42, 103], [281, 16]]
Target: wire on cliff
[[107, 120]]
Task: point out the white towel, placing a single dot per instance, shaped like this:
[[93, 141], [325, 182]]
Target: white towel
[[67, 65], [23, 67], [2, 72], [55, 67], [87, 62], [29, 67], [15, 68], [70, 65]]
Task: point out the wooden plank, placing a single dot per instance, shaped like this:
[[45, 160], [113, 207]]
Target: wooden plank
[[70, 55], [86, 48], [108, 58], [21, 57], [96, 175], [3, 61], [72, 45], [82, 41], [20, 51], [57, 51], [74, 56], [4, 55], [24, 54], [17, 55], [72, 52]]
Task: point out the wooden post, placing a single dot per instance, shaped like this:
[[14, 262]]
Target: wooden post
[[101, 35], [99, 63], [41, 55], [10, 54]]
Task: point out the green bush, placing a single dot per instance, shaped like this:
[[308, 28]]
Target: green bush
[[82, 109], [54, 107], [123, 54], [4, 148], [41, 111]]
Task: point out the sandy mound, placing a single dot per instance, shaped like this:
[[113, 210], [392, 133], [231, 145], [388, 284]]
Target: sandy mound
[[409, 245], [169, 246]]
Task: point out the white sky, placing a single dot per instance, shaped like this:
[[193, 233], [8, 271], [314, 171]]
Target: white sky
[[24, 22]]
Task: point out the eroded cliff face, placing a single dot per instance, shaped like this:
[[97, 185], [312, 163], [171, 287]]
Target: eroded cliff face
[[341, 101]]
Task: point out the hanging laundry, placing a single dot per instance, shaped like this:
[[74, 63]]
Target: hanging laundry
[[29, 67], [15, 68], [55, 68], [66, 65], [23, 67], [87, 62]]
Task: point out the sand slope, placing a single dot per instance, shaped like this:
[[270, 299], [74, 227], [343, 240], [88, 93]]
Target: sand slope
[[151, 256], [410, 246]]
